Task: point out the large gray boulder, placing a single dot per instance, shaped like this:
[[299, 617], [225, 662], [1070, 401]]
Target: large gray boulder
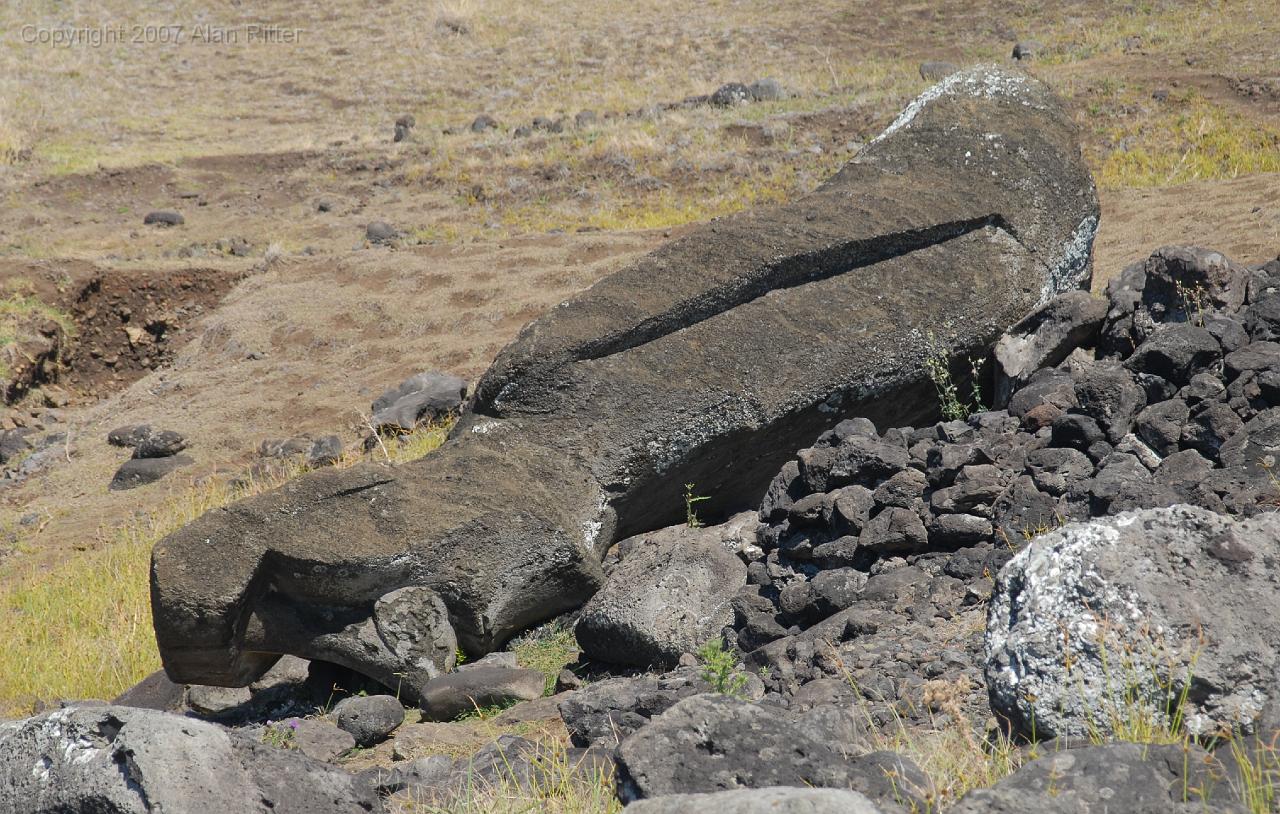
[[775, 800], [1134, 778], [710, 743], [709, 361], [1149, 613], [668, 594], [123, 760]]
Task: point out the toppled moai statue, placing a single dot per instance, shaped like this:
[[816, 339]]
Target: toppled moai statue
[[709, 361]]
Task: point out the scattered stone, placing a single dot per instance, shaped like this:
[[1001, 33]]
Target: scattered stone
[[325, 451], [604, 712], [1044, 339], [320, 740], [766, 90], [163, 217], [129, 436], [137, 472], [369, 719], [450, 696], [668, 594], [380, 232], [730, 95], [160, 444], [482, 123], [428, 396], [585, 119], [1027, 49]]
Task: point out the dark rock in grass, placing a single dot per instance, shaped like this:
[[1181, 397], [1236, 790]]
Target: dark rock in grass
[[710, 743], [379, 231], [428, 396], [774, 800], [13, 443], [585, 430], [456, 694], [160, 444], [766, 90], [137, 472], [1136, 778], [325, 451], [482, 123], [1044, 339], [1198, 581], [369, 719], [668, 595], [133, 761], [585, 119], [129, 436], [1027, 49], [731, 94], [937, 70], [163, 217]]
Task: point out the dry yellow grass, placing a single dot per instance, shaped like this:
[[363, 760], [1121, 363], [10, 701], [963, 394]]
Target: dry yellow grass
[[82, 629]]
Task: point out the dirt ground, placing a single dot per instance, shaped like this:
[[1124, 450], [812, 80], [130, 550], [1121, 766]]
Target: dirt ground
[[280, 318]]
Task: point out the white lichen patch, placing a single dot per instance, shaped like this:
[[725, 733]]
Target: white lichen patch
[[1069, 270], [982, 81]]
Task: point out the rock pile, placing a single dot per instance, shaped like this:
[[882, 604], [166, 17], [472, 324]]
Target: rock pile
[[155, 454]]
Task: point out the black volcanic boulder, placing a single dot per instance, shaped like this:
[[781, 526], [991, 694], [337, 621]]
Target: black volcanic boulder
[[710, 361]]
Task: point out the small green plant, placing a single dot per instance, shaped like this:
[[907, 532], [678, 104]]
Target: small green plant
[[954, 408], [1193, 299], [720, 669], [691, 500], [281, 735]]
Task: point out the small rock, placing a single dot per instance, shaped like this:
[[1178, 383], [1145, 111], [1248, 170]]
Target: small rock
[[369, 718], [734, 93], [320, 740], [585, 119], [325, 451], [163, 217], [137, 472], [482, 123], [1027, 49], [160, 444], [449, 696], [380, 232], [129, 436], [766, 90]]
